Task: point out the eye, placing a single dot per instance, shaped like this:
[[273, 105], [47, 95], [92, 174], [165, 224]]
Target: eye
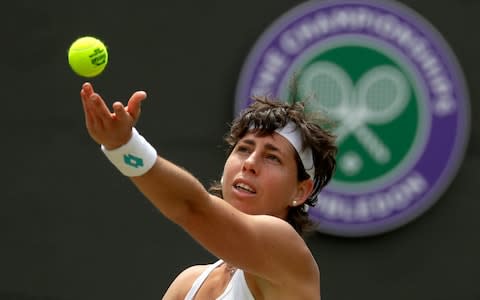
[[273, 157], [243, 149]]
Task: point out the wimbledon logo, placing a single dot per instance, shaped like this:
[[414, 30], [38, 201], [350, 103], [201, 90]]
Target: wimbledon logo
[[394, 88]]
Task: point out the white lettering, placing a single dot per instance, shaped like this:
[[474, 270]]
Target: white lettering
[[274, 62], [387, 27], [376, 206]]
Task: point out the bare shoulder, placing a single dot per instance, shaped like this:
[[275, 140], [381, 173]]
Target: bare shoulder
[[291, 268], [183, 282]]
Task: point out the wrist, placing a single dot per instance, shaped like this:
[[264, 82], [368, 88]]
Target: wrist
[[134, 158], [110, 146]]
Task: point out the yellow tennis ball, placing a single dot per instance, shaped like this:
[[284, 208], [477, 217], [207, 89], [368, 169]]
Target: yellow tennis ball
[[88, 56]]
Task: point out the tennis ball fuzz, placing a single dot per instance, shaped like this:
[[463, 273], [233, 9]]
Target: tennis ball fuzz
[[88, 56]]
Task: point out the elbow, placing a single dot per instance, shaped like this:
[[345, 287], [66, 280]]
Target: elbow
[[191, 212]]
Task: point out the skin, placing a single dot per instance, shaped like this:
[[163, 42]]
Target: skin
[[247, 229]]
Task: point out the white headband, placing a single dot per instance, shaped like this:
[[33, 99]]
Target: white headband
[[293, 134]]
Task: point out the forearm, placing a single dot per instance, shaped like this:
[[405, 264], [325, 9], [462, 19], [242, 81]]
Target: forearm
[[173, 190]]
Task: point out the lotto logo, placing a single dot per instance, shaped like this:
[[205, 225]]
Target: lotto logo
[[133, 160]]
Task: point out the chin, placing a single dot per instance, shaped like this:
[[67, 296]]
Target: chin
[[244, 207]]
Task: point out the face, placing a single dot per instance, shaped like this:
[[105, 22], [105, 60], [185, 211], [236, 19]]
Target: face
[[260, 176]]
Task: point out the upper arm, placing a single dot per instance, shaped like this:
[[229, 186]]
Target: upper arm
[[259, 244]]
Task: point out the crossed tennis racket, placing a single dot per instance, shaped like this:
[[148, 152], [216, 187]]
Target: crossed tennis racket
[[379, 97]]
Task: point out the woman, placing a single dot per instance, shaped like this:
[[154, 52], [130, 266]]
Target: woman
[[253, 220]]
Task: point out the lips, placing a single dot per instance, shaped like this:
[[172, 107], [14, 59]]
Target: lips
[[244, 187]]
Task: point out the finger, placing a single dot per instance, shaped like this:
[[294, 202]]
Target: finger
[[83, 98], [134, 104], [88, 89], [85, 93], [100, 106], [89, 120], [120, 111], [100, 112]]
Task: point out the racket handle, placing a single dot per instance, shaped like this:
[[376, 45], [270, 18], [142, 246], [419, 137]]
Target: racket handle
[[373, 144]]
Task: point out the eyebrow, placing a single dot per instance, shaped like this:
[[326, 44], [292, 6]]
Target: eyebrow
[[268, 146]]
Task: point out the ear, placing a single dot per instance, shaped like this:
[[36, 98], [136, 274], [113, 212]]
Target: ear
[[304, 189]]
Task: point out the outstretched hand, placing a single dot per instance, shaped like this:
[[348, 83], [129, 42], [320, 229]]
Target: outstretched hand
[[111, 129]]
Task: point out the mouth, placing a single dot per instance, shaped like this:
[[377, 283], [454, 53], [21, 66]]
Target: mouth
[[243, 187]]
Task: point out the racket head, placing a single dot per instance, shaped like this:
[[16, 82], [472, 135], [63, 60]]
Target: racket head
[[382, 94], [328, 87]]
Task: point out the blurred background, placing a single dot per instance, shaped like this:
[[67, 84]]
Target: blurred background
[[72, 227]]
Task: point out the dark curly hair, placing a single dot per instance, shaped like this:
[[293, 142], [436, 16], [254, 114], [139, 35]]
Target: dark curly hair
[[263, 117]]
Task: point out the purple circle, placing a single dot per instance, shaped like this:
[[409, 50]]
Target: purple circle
[[446, 96]]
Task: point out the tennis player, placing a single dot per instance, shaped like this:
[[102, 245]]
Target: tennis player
[[254, 219]]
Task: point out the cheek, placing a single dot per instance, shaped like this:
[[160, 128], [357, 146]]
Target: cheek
[[230, 168], [283, 184]]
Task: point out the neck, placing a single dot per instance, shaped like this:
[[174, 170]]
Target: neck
[[230, 269]]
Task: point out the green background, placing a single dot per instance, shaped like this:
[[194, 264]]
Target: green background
[[397, 135]]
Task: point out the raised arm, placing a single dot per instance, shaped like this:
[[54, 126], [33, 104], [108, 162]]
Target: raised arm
[[262, 245], [171, 189]]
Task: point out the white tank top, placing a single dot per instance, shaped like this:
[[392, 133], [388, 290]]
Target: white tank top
[[237, 288]]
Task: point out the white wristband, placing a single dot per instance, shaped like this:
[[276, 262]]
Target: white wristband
[[134, 158]]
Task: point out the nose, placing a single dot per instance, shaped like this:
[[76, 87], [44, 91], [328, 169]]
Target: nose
[[250, 164]]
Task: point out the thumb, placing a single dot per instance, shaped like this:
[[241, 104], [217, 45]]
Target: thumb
[[134, 104]]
